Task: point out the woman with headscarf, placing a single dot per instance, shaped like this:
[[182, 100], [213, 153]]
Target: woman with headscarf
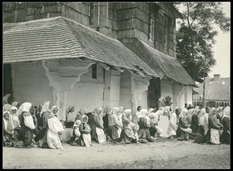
[[106, 112], [54, 110], [76, 133], [80, 114], [43, 124], [15, 118], [8, 130], [113, 125], [27, 124], [184, 126], [225, 120], [6, 107], [194, 123], [200, 138], [55, 129], [85, 129], [97, 127], [127, 135], [215, 127], [16, 104], [144, 125], [70, 117], [206, 125]]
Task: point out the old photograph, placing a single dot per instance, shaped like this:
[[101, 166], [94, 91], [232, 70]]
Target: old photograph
[[116, 85]]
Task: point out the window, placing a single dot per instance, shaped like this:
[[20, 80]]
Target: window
[[94, 71], [167, 30], [98, 14], [152, 30]]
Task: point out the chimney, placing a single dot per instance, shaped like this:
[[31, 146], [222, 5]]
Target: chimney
[[216, 77]]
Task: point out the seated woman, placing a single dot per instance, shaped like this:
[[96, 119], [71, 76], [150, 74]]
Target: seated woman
[[96, 124], [85, 129], [215, 127], [27, 124], [70, 117], [127, 133], [113, 124], [144, 125], [8, 130], [55, 129], [225, 120], [184, 126]]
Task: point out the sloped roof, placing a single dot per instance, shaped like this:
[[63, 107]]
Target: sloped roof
[[160, 62], [59, 37], [214, 90]]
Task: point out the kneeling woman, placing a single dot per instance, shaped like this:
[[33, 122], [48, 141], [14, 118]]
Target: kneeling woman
[[8, 130], [55, 128], [85, 138], [27, 124], [144, 125], [185, 129], [127, 134], [96, 123]]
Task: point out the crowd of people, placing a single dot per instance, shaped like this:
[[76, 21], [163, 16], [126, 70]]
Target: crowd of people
[[26, 125]]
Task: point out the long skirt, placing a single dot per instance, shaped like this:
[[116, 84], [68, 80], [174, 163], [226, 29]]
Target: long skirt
[[40, 135], [112, 132], [153, 130], [85, 140], [214, 136], [144, 135], [97, 134], [184, 135], [26, 136], [127, 136], [225, 137], [53, 140]]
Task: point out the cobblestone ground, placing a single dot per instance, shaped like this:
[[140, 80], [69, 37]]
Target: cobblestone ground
[[162, 154]]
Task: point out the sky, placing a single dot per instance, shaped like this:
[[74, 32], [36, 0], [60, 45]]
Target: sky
[[222, 49]]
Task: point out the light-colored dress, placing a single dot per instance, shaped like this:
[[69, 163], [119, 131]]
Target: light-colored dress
[[163, 124], [53, 139], [172, 124]]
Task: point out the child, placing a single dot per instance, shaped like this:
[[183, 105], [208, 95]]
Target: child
[[85, 129], [76, 133]]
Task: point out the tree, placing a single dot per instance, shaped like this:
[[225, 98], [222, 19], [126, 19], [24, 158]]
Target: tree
[[195, 37]]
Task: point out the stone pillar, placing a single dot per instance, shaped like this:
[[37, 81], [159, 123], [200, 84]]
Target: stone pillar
[[62, 75], [139, 85]]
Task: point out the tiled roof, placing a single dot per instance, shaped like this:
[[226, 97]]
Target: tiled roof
[[59, 37], [159, 61], [214, 90]]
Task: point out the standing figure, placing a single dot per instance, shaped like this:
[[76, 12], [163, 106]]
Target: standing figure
[[8, 130], [225, 120]]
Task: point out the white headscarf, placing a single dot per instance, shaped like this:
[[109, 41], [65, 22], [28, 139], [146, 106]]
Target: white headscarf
[[184, 112], [143, 113], [45, 107], [53, 107], [6, 107], [5, 121]]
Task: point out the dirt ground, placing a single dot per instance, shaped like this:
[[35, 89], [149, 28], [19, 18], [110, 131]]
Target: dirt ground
[[162, 154]]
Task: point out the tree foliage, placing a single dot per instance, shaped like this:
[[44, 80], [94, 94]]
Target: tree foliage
[[195, 37]]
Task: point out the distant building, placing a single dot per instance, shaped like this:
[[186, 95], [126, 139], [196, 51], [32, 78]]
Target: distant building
[[217, 92]]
